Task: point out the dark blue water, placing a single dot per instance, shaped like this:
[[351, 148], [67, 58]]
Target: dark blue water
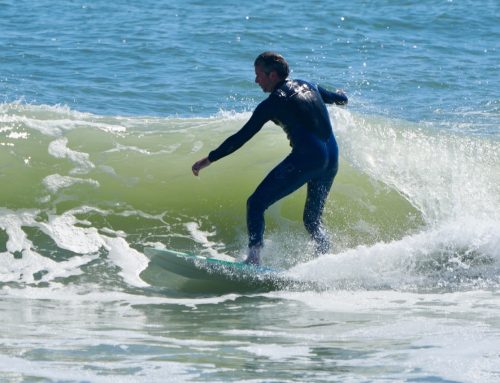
[[425, 60]]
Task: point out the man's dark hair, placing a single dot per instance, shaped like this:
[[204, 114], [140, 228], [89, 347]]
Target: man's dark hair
[[270, 61]]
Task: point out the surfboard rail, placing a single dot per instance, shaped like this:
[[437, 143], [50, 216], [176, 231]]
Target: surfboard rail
[[198, 267]]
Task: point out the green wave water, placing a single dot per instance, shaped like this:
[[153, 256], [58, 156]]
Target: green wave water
[[76, 183]]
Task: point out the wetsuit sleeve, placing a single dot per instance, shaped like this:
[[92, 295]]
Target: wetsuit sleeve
[[332, 97], [259, 117]]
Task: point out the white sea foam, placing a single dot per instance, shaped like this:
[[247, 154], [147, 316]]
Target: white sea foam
[[82, 294], [67, 234], [129, 260], [201, 237], [56, 182], [58, 371], [59, 149], [67, 231], [444, 176], [422, 259], [123, 148], [18, 135], [30, 265], [54, 120], [232, 115]]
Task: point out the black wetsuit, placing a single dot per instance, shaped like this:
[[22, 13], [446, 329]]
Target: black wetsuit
[[299, 108]]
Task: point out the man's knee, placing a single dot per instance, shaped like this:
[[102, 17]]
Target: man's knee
[[255, 204], [251, 203]]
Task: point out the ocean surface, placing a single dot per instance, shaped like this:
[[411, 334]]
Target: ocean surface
[[104, 106]]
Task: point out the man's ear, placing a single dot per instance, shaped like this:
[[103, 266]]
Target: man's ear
[[274, 76]]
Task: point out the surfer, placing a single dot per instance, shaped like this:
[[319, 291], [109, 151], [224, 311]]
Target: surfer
[[299, 108]]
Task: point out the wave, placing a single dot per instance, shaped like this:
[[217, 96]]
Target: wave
[[83, 194]]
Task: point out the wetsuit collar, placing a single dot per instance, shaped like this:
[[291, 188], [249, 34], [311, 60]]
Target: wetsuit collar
[[279, 84]]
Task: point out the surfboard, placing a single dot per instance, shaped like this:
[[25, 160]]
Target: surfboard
[[198, 267]]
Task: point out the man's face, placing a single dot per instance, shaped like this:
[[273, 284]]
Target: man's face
[[266, 81]]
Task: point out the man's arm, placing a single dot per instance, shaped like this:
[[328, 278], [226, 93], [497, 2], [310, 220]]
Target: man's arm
[[259, 117], [237, 140], [338, 97]]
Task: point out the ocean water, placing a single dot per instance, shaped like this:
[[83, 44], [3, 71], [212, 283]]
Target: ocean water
[[105, 105]]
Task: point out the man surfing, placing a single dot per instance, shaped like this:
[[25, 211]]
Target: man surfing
[[299, 108]]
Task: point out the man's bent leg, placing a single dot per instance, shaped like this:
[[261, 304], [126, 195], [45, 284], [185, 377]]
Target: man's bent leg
[[284, 179]]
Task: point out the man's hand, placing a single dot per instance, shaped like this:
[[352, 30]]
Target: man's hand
[[203, 163], [341, 93]]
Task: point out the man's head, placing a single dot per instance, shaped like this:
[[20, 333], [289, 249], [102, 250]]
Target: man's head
[[270, 69]]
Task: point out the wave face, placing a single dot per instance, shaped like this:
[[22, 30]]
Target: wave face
[[83, 194]]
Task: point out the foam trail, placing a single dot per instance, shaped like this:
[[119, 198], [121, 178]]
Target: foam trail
[[131, 262], [56, 182], [59, 149], [201, 237], [30, 266]]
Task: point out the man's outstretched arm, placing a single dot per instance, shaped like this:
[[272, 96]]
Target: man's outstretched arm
[[234, 142]]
